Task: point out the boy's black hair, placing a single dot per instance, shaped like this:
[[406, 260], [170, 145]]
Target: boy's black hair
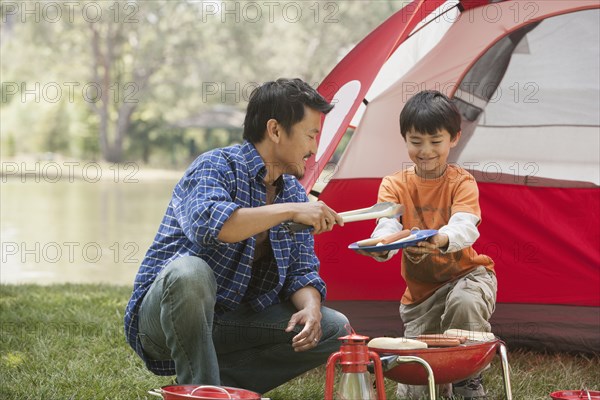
[[428, 112], [282, 100]]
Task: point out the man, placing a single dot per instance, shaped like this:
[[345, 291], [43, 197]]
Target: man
[[226, 295]]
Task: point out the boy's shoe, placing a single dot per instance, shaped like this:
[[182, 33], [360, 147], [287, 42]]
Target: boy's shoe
[[409, 392], [444, 390], [470, 389], [412, 392]]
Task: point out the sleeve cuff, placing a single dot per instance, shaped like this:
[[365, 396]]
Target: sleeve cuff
[[219, 214], [386, 226], [461, 230], [311, 279]]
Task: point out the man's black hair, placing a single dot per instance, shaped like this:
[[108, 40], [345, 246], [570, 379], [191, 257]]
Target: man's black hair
[[282, 100], [428, 112]]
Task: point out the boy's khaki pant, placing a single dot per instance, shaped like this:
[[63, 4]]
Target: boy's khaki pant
[[467, 303]]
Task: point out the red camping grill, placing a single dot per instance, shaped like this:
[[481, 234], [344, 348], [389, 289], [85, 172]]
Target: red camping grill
[[443, 365]]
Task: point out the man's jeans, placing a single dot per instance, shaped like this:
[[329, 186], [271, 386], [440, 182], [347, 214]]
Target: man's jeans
[[241, 348]]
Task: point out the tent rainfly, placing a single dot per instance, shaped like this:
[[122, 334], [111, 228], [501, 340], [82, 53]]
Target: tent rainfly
[[525, 76]]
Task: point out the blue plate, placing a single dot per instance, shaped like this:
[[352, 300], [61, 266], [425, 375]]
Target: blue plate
[[420, 236]]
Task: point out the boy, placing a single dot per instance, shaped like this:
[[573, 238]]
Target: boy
[[449, 285]]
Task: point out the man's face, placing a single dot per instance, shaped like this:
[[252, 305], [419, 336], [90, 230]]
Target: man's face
[[300, 143], [430, 152]]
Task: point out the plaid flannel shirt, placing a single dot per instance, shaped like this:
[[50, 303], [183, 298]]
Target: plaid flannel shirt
[[214, 186]]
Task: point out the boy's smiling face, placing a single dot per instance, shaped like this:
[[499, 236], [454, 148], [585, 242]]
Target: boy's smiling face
[[430, 152]]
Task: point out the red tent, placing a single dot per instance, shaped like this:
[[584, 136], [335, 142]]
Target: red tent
[[524, 75]]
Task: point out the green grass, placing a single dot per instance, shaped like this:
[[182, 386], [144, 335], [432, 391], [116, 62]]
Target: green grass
[[66, 342]]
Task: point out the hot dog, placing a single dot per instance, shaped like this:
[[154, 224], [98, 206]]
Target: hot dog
[[384, 239], [462, 339], [438, 341], [471, 335]]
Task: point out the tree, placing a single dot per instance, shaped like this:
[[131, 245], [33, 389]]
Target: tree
[[149, 64], [108, 52], [126, 53]]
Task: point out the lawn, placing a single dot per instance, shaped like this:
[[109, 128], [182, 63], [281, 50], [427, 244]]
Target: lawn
[[66, 342]]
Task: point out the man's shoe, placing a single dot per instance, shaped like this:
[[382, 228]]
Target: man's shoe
[[470, 389]]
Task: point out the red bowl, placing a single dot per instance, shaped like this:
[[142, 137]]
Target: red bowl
[[575, 395], [449, 364], [204, 392]]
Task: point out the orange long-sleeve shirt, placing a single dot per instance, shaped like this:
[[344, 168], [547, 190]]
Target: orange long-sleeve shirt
[[429, 204]]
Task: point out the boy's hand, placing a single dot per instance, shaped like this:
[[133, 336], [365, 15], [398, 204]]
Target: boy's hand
[[378, 254], [431, 246]]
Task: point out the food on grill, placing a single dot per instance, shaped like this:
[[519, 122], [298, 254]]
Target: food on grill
[[439, 340], [401, 343], [440, 336], [471, 335]]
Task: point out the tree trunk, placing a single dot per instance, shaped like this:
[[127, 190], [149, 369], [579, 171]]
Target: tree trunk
[[121, 127]]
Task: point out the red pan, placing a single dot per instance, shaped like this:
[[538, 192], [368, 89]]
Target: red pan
[[203, 392], [575, 395]]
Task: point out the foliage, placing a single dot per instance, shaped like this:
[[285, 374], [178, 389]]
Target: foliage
[[67, 342], [103, 71]]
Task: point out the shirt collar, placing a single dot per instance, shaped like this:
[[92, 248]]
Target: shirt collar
[[256, 165]]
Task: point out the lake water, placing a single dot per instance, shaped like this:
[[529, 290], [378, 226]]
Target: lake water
[[78, 231]]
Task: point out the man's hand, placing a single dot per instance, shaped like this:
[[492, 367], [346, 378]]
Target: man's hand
[[246, 222], [310, 335], [318, 215], [308, 301]]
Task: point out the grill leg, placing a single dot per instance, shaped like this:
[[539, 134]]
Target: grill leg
[[505, 371], [430, 379]]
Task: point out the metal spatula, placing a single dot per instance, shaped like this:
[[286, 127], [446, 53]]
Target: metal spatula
[[379, 210]]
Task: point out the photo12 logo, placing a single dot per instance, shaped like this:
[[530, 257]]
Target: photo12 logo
[[70, 11], [226, 92], [516, 92], [237, 92], [269, 11], [71, 171], [53, 92], [491, 12], [69, 252]]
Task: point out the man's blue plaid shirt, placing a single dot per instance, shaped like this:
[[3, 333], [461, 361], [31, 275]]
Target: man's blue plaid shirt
[[214, 186]]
